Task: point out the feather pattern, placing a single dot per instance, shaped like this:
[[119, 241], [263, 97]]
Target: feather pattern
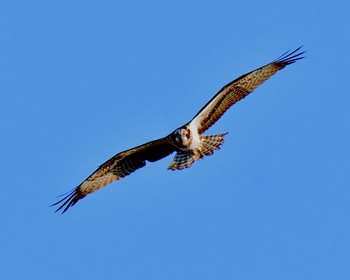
[[240, 88], [118, 167], [186, 141], [206, 148]]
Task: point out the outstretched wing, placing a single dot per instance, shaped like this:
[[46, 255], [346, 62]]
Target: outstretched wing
[[116, 168], [240, 88]]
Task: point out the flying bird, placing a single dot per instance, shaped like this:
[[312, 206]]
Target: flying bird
[[187, 141]]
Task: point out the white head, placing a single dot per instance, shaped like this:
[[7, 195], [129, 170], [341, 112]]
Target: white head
[[182, 137]]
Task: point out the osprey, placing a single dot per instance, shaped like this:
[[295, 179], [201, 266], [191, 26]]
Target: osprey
[[187, 141]]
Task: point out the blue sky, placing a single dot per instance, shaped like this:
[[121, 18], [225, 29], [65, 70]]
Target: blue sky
[[84, 80]]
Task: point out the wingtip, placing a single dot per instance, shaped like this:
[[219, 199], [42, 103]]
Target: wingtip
[[69, 200], [290, 57]]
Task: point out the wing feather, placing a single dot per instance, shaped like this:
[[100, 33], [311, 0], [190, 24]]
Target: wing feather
[[130, 160], [116, 168], [240, 88]]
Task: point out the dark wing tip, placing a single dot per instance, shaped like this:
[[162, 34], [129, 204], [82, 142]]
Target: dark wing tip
[[69, 199], [290, 57]]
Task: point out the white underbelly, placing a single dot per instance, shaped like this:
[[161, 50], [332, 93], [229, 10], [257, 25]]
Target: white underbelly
[[195, 137]]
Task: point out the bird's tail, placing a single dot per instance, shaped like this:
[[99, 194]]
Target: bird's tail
[[184, 159]]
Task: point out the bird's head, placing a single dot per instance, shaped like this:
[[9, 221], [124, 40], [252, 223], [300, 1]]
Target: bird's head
[[181, 137]]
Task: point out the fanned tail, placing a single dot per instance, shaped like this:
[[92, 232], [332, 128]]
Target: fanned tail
[[184, 159], [211, 143]]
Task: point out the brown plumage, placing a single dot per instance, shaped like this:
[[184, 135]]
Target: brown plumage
[[186, 141], [240, 88], [118, 167]]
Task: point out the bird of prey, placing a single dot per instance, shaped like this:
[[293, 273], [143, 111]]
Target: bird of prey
[[187, 140]]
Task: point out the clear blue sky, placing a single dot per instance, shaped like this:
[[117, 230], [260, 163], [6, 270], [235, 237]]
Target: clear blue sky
[[84, 80]]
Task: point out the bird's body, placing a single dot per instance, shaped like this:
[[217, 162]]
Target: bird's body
[[187, 141]]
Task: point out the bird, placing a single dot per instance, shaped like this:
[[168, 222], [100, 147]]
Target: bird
[[187, 140]]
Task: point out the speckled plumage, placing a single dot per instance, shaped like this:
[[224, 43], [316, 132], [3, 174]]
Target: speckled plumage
[[187, 141]]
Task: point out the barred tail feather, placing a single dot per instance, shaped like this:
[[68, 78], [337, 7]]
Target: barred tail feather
[[211, 143], [207, 146], [182, 160]]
